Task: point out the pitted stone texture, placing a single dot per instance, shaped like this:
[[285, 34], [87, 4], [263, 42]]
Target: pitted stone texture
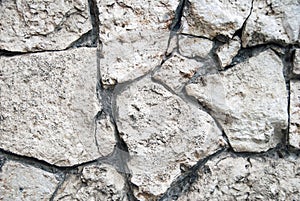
[[194, 46], [249, 100], [48, 104], [135, 37], [227, 51], [153, 123], [296, 62], [272, 21], [294, 136], [216, 17], [42, 25], [22, 182], [254, 178], [96, 182], [176, 72]]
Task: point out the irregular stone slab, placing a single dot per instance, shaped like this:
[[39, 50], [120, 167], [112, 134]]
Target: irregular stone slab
[[153, 123], [97, 182], [135, 36], [177, 71], [42, 25], [272, 21], [249, 100], [294, 136], [254, 178], [194, 47], [213, 18], [22, 182], [48, 104], [296, 62], [227, 51]]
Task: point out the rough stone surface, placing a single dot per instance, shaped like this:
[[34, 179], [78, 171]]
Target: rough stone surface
[[296, 62], [143, 30], [48, 104], [23, 182], [153, 122], [249, 100], [227, 51], [176, 71], [96, 182], [272, 21], [216, 17], [194, 47], [294, 136], [42, 25], [253, 178]]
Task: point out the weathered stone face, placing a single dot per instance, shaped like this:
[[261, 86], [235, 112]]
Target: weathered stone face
[[227, 51], [28, 26], [249, 100], [23, 182], [296, 62], [162, 132], [48, 105], [97, 182], [294, 135]]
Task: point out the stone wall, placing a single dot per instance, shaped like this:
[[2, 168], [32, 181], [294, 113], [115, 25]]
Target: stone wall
[[149, 100]]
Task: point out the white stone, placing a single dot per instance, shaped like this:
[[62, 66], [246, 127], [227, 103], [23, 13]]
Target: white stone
[[194, 47], [48, 104], [176, 72], [211, 18], [97, 182], [135, 37], [296, 62], [253, 178], [42, 25], [272, 21], [227, 51], [23, 182], [162, 131], [294, 135], [249, 100]]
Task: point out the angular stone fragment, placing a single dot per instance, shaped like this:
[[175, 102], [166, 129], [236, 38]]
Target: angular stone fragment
[[294, 136], [22, 182], [272, 21], [296, 62], [194, 47], [176, 71], [216, 17], [96, 182], [227, 51], [249, 100], [162, 132], [134, 35], [253, 178], [42, 25], [48, 104]]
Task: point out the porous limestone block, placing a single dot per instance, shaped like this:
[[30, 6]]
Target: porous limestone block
[[249, 100], [246, 178], [176, 72], [194, 47], [135, 37], [294, 135], [23, 182], [211, 18], [296, 62], [227, 51], [42, 25], [272, 21], [162, 132], [96, 182], [47, 107]]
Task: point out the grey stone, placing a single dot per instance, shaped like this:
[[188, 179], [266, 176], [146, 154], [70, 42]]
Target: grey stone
[[23, 182], [296, 62], [249, 100], [47, 106], [227, 51], [194, 46], [42, 25], [162, 132], [294, 135]]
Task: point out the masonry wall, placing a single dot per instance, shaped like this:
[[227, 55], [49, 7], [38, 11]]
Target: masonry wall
[[149, 100]]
